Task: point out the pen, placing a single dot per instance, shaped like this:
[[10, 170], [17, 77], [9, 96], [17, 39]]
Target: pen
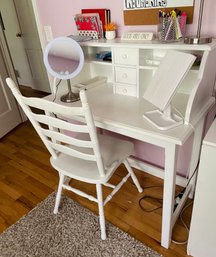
[[169, 31], [177, 30], [183, 22]]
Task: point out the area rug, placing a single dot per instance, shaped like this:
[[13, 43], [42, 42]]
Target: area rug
[[73, 232]]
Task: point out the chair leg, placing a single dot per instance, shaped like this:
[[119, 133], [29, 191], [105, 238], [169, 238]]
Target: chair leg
[[58, 196], [133, 176], [101, 211]]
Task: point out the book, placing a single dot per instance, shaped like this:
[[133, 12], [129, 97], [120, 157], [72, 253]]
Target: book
[[103, 54], [104, 15], [89, 25], [108, 16], [98, 21], [80, 38]]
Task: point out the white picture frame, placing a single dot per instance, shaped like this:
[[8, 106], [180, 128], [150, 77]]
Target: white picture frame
[[137, 36], [137, 4]]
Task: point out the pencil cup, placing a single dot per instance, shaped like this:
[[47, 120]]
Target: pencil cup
[[171, 29]]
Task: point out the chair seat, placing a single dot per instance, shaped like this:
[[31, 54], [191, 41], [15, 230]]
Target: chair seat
[[112, 150]]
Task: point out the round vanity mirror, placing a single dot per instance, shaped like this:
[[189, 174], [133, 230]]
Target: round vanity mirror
[[64, 59]]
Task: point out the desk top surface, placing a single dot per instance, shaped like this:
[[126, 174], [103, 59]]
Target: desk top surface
[[149, 44], [123, 115]]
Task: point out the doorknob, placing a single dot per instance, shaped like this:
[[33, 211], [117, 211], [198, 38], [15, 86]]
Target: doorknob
[[18, 34]]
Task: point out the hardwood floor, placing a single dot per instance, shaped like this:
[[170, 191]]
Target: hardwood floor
[[28, 91], [26, 178]]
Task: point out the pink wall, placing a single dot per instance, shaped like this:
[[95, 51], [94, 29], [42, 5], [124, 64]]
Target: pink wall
[[60, 16]]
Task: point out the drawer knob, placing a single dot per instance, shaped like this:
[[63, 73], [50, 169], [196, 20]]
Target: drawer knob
[[124, 75], [124, 56], [125, 91]]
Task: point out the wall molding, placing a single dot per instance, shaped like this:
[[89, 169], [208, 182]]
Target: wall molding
[[155, 171]]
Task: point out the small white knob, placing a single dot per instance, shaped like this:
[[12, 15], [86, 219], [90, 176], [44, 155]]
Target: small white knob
[[124, 90], [124, 75], [124, 56]]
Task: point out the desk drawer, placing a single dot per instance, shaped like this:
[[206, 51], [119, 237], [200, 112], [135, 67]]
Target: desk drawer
[[125, 75], [125, 90], [126, 56]]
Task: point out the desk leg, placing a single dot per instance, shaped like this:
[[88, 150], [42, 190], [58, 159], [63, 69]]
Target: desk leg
[[168, 194]]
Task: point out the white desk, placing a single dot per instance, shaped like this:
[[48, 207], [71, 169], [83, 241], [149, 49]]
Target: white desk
[[130, 72], [123, 115]]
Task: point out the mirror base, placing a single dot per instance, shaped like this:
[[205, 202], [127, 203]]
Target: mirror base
[[70, 97]]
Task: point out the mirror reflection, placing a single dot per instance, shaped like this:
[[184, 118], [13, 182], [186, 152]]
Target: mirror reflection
[[62, 58]]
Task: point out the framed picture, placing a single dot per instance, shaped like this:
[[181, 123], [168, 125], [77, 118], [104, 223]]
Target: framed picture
[[145, 12]]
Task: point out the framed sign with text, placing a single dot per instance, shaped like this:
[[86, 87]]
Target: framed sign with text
[[145, 12], [137, 36]]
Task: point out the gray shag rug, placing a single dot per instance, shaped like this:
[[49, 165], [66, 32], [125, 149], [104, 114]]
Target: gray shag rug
[[74, 231]]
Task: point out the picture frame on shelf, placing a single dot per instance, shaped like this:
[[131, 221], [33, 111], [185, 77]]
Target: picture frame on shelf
[[137, 36]]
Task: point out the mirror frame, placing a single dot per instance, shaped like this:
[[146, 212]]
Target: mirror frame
[[75, 46]]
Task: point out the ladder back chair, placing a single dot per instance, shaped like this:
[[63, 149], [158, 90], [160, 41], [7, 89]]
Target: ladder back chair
[[87, 157]]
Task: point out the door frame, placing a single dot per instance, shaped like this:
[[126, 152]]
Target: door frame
[[9, 65], [6, 55], [38, 23], [42, 41], [40, 33]]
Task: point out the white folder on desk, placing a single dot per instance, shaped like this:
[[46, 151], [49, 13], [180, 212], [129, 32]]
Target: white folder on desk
[[169, 75]]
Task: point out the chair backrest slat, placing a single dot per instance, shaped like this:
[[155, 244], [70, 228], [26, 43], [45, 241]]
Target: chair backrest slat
[[54, 135], [70, 151], [52, 129], [61, 124]]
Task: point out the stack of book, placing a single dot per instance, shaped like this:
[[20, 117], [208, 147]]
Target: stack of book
[[91, 22]]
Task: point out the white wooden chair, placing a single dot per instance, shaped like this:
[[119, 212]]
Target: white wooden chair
[[87, 157]]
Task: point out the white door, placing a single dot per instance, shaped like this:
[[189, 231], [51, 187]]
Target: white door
[[24, 44], [9, 113]]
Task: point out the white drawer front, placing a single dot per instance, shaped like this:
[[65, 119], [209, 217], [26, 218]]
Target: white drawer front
[[125, 75], [125, 90], [126, 56]]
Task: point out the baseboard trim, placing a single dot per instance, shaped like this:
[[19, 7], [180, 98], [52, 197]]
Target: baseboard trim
[[155, 171]]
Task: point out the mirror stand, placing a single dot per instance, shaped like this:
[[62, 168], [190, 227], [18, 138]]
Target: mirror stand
[[70, 96]]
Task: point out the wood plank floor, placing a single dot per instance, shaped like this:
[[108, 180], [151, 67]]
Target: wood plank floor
[[26, 178]]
